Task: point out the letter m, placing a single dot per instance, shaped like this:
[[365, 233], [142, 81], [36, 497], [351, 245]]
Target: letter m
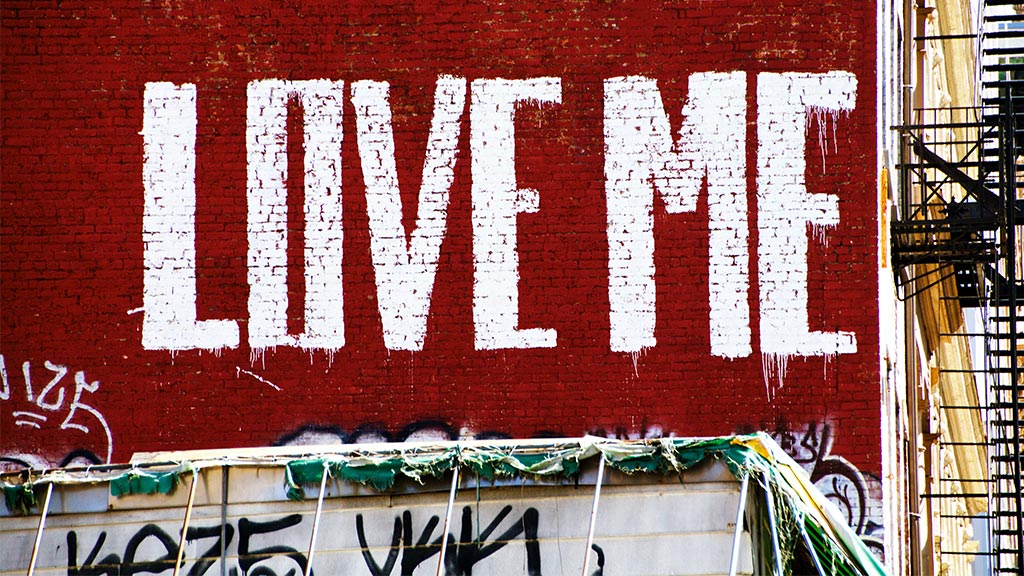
[[641, 158]]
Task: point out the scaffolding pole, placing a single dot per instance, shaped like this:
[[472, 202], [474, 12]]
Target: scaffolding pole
[[771, 522], [448, 518], [316, 520], [184, 524], [39, 530], [593, 515], [734, 559]]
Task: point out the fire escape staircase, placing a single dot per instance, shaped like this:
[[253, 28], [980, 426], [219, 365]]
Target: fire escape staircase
[[960, 221]]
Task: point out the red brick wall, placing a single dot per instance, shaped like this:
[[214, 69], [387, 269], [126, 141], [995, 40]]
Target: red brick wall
[[72, 274]]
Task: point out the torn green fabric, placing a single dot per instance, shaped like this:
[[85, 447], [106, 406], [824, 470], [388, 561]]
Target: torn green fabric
[[19, 498], [144, 482], [376, 471], [652, 457], [492, 462], [301, 472], [631, 458], [683, 454], [417, 464], [377, 475]]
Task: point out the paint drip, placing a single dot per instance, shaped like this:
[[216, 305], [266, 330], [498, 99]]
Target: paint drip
[[773, 370], [824, 117], [820, 232], [635, 357], [260, 355]]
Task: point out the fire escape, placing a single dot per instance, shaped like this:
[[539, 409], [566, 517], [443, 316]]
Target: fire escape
[[959, 234]]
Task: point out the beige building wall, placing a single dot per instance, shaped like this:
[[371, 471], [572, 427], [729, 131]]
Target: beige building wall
[[935, 457]]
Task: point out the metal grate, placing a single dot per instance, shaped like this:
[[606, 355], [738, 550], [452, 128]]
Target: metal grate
[[1002, 295]]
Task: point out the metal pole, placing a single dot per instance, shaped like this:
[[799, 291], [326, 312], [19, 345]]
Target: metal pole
[[593, 515], [224, 470], [39, 531], [316, 520], [448, 518], [184, 525], [734, 560], [814, 555], [771, 522]]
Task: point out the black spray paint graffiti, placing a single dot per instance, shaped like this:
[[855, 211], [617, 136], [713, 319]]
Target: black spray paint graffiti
[[461, 555], [839, 480], [74, 458], [34, 404], [370, 433], [250, 560], [426, 430], [152, 550]]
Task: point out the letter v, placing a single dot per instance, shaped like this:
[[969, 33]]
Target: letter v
[[405, 268]]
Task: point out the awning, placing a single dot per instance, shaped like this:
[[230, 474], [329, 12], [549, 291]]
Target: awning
[[796, 516]]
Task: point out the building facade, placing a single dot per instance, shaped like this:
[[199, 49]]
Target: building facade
[[955, 415], [239, 225]]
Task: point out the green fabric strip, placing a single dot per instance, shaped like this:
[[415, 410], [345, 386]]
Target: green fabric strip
[[139, 482], [376, 471], [492, 463], [19, 498], [378, 475]]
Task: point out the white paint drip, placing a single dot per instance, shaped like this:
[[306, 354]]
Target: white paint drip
[[136, 310], [827, 357], [821, 117], [824, 116], [820, 232], [773, 370], [260, 355], [635, 357]]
